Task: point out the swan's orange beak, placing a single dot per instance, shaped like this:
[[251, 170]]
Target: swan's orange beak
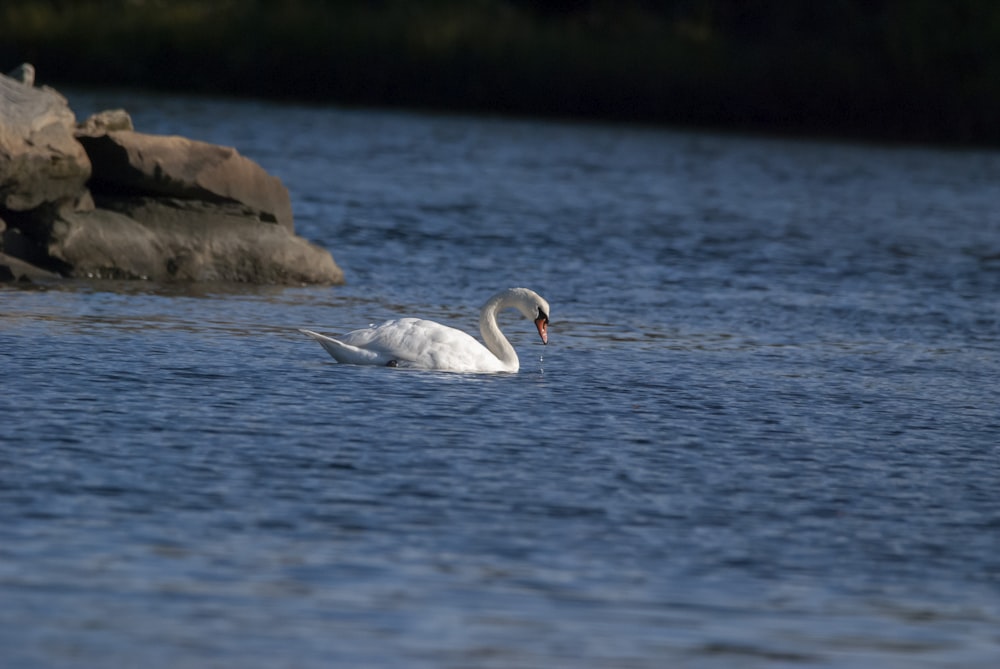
[[542, 323]]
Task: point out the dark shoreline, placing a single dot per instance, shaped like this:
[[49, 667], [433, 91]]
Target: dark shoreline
[[871, 71]]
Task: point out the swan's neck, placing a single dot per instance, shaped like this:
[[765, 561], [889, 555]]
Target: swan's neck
[[492, 337]]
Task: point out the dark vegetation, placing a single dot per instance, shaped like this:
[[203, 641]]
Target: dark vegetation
[[925, 70]]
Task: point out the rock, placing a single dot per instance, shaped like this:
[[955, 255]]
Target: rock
[[104, 244], [176, 167], [25, 73], [40, 161], [15, 269], [104, 122], [168, 239], [100, 200]]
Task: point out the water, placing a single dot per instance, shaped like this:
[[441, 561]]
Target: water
[[764, 432]]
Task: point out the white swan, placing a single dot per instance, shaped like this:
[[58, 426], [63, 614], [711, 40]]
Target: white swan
[[420, 344]]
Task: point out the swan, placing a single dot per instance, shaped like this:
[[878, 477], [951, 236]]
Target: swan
[[419, 344]]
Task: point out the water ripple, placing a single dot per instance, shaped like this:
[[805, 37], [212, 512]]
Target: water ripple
[[763, 432]]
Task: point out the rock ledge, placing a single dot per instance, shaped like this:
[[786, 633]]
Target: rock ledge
[[100, 200]]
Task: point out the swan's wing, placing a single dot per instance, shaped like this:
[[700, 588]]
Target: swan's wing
[[413, 343], [346, 353], [423, 344]]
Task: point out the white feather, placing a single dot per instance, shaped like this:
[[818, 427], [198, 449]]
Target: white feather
[[423, 344]]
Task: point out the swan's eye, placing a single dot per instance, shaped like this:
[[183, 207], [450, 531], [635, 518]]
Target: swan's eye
[[543, 315]]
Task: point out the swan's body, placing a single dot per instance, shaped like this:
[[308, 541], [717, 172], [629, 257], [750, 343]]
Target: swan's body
[[420, 344]]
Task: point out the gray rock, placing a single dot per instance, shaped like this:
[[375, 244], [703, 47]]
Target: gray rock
[[177, 167], [104, 244], [168, 239], [25, 73], [13, 250], [105, 122], [40, 161], [15, 269]]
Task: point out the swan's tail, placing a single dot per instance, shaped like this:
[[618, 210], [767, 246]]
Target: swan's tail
[[345, 353]]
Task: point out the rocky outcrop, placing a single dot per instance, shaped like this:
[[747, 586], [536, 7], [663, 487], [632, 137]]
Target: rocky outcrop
[[101, 200], [166, 239], [40, 159], [175, 167]]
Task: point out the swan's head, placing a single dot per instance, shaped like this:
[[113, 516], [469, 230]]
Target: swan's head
[[533, 306]]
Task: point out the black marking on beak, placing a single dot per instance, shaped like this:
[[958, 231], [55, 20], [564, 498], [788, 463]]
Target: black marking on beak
[[542, 323]]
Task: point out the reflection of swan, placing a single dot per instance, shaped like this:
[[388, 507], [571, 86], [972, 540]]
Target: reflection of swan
[[420, 344]]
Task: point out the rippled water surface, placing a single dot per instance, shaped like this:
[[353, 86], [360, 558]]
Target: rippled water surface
[[764, 433]]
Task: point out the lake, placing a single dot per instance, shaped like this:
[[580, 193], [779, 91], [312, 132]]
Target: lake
[[765, 430]]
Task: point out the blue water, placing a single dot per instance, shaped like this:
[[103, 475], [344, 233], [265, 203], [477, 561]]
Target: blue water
[[765, 431]]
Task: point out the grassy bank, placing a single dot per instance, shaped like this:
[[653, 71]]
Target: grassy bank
[[904, 69]]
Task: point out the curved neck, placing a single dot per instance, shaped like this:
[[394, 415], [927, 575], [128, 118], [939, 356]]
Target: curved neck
[[492, 337]]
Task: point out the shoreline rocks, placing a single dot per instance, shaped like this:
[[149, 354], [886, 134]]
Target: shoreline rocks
[[101, 200]]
